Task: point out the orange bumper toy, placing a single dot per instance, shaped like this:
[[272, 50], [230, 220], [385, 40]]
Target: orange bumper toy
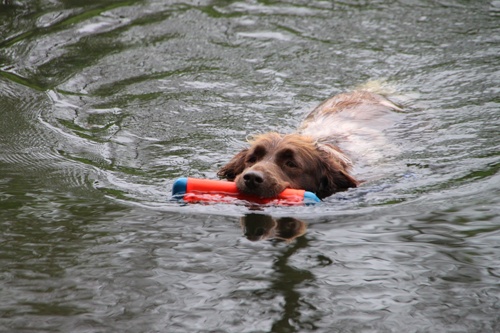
[[195, 190]]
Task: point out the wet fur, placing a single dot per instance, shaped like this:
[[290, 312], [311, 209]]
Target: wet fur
[[310, 159]]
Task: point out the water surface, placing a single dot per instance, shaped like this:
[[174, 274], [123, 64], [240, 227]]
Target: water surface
[[103, 104]]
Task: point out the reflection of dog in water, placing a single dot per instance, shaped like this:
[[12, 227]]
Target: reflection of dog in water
[[258, 227]]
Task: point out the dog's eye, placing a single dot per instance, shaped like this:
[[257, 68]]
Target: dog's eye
[[291, 164], [251, 159]]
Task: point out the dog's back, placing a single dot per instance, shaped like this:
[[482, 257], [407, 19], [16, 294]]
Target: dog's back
[[353, 121]]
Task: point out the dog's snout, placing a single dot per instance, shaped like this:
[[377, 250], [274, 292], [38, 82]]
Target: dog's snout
[[263, 180], [253, 178]]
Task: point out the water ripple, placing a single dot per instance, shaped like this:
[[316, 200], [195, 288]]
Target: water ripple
[[104, 104]]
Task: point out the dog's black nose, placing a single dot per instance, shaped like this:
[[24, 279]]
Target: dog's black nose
[[253, 179]]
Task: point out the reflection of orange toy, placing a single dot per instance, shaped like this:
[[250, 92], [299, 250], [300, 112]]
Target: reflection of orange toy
[[206, 190]]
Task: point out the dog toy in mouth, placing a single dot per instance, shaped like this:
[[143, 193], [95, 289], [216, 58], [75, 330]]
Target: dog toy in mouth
[[206, 190]]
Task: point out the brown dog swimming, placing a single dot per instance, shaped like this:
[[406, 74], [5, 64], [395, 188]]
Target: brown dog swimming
[[311, 159]]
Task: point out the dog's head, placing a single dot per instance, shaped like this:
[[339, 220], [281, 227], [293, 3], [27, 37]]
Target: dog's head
[[275, 162]]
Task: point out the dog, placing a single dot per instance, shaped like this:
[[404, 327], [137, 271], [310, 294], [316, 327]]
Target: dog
[[312, 158]]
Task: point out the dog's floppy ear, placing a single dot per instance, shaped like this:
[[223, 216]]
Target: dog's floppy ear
[[334, 172], [333, 181], [235, 166]]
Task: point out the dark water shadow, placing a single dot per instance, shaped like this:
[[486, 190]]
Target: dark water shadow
[[258, 227], [287, 278]]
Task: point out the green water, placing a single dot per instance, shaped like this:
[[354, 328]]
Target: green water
[[103, 104]]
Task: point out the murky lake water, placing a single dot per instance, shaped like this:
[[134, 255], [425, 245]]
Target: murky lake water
[[103, 104]]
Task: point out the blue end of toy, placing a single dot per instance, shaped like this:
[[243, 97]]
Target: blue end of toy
[[310, 198], [179, 188]]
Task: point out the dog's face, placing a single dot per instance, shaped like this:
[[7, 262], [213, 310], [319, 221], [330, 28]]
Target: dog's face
[[275, 162]]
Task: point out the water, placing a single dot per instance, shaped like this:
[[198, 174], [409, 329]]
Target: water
[[103, 104]]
